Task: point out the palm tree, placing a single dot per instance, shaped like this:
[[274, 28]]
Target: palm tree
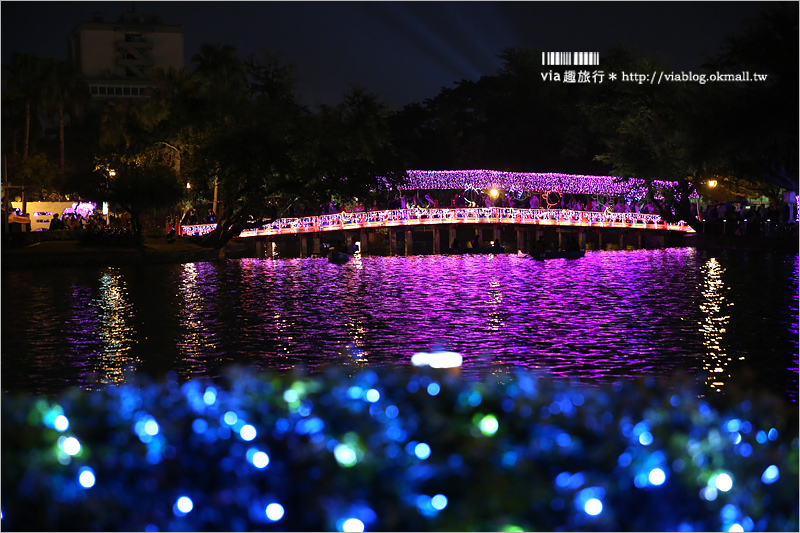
[[24, 77], [65, 91]]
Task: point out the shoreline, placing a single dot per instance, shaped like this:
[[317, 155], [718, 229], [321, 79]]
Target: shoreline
[[55, 254]]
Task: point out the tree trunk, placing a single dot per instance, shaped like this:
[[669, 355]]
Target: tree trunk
[[61, 135], [27, 130]]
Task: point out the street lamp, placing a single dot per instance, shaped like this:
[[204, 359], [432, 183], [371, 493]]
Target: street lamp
[[712, 183]]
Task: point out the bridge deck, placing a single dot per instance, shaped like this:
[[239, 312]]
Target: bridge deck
[[479, 215]]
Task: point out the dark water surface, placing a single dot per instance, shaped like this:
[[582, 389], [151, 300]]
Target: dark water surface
[[719, 316]]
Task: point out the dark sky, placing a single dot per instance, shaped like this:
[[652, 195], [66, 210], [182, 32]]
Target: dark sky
[[403, 51]]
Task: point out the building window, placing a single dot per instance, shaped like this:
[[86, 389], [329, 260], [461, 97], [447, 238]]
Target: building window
[[126, 91], [134, 37], [93, 89], [118, 91], [102, 90]]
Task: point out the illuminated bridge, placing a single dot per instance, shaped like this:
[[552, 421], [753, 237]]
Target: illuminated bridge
[[498, 220]]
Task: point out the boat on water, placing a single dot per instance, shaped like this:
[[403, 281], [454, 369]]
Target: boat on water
[[568, 254], [478, 250], [338, 258]]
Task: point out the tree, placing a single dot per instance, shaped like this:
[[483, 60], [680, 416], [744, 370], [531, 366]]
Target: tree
[[64, 91], [25, 77]]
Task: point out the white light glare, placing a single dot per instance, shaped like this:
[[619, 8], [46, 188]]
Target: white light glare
[[184, 504], [657, 477], [353, 525], [260, 460], [593, 507], [437, 359], [86, 478], [247, 432], [61, 423], [724, 482], [71, 446], [275, 511]]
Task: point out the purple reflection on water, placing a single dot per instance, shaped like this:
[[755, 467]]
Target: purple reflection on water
[[606, 316]]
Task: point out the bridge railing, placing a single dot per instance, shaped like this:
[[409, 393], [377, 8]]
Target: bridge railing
[[459, 215]]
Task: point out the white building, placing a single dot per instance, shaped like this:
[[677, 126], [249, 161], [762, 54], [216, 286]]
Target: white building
[[117, 58]]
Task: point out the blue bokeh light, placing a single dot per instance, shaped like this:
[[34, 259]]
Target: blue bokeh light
[[656, 477], [352, 525], [434, 388], [422, 451], [593, 507], [372, 395], [770, 475], [183, 505]]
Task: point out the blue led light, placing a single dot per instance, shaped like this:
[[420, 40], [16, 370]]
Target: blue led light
[[510, 458], [86, 477], [770, 475], [624, 460], [475, 399], [745, 450], [392, 411], [275, 512], [434, 388], [210, 396], [247, 432], [733, 425], [199, 426], [562, 479], [563, 440], [439, 502], [646, 438], [708, 494], [61, 423], [761, 437], [736, 527], [736, 437], [729, 513], [355, 392], [773, 434], [230, 418], [422, 451], [345, 455]]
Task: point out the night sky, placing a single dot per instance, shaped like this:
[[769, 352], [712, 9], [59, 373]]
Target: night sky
[[403, 51]]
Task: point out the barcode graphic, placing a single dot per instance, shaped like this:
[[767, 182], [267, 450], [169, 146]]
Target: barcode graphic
[[570, 58]]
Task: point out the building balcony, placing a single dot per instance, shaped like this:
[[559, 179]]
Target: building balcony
[[139, 62], [134, 45]]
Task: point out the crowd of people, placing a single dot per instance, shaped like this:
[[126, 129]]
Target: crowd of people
[[76, 221]]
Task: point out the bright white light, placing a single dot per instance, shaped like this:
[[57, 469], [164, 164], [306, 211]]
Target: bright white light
[[86, 478], [290, 396], [657, 476], [345, 455], [645, 438], [736, 527], [493, 193], [353, 525], [723, 482], [593, 507], [373, 395], [275, 511], [184, 504], [422, 451], [230, 418], [247, 432], [71, 446], [210, 396], [437, 359], [61, 423], [260, 460], [489, 425], [439, 502], [151, 428]]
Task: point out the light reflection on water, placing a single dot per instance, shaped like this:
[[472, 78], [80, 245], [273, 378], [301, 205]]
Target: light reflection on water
[[606, 316]]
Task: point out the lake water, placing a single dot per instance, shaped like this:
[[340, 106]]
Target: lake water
[[716, 316]]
